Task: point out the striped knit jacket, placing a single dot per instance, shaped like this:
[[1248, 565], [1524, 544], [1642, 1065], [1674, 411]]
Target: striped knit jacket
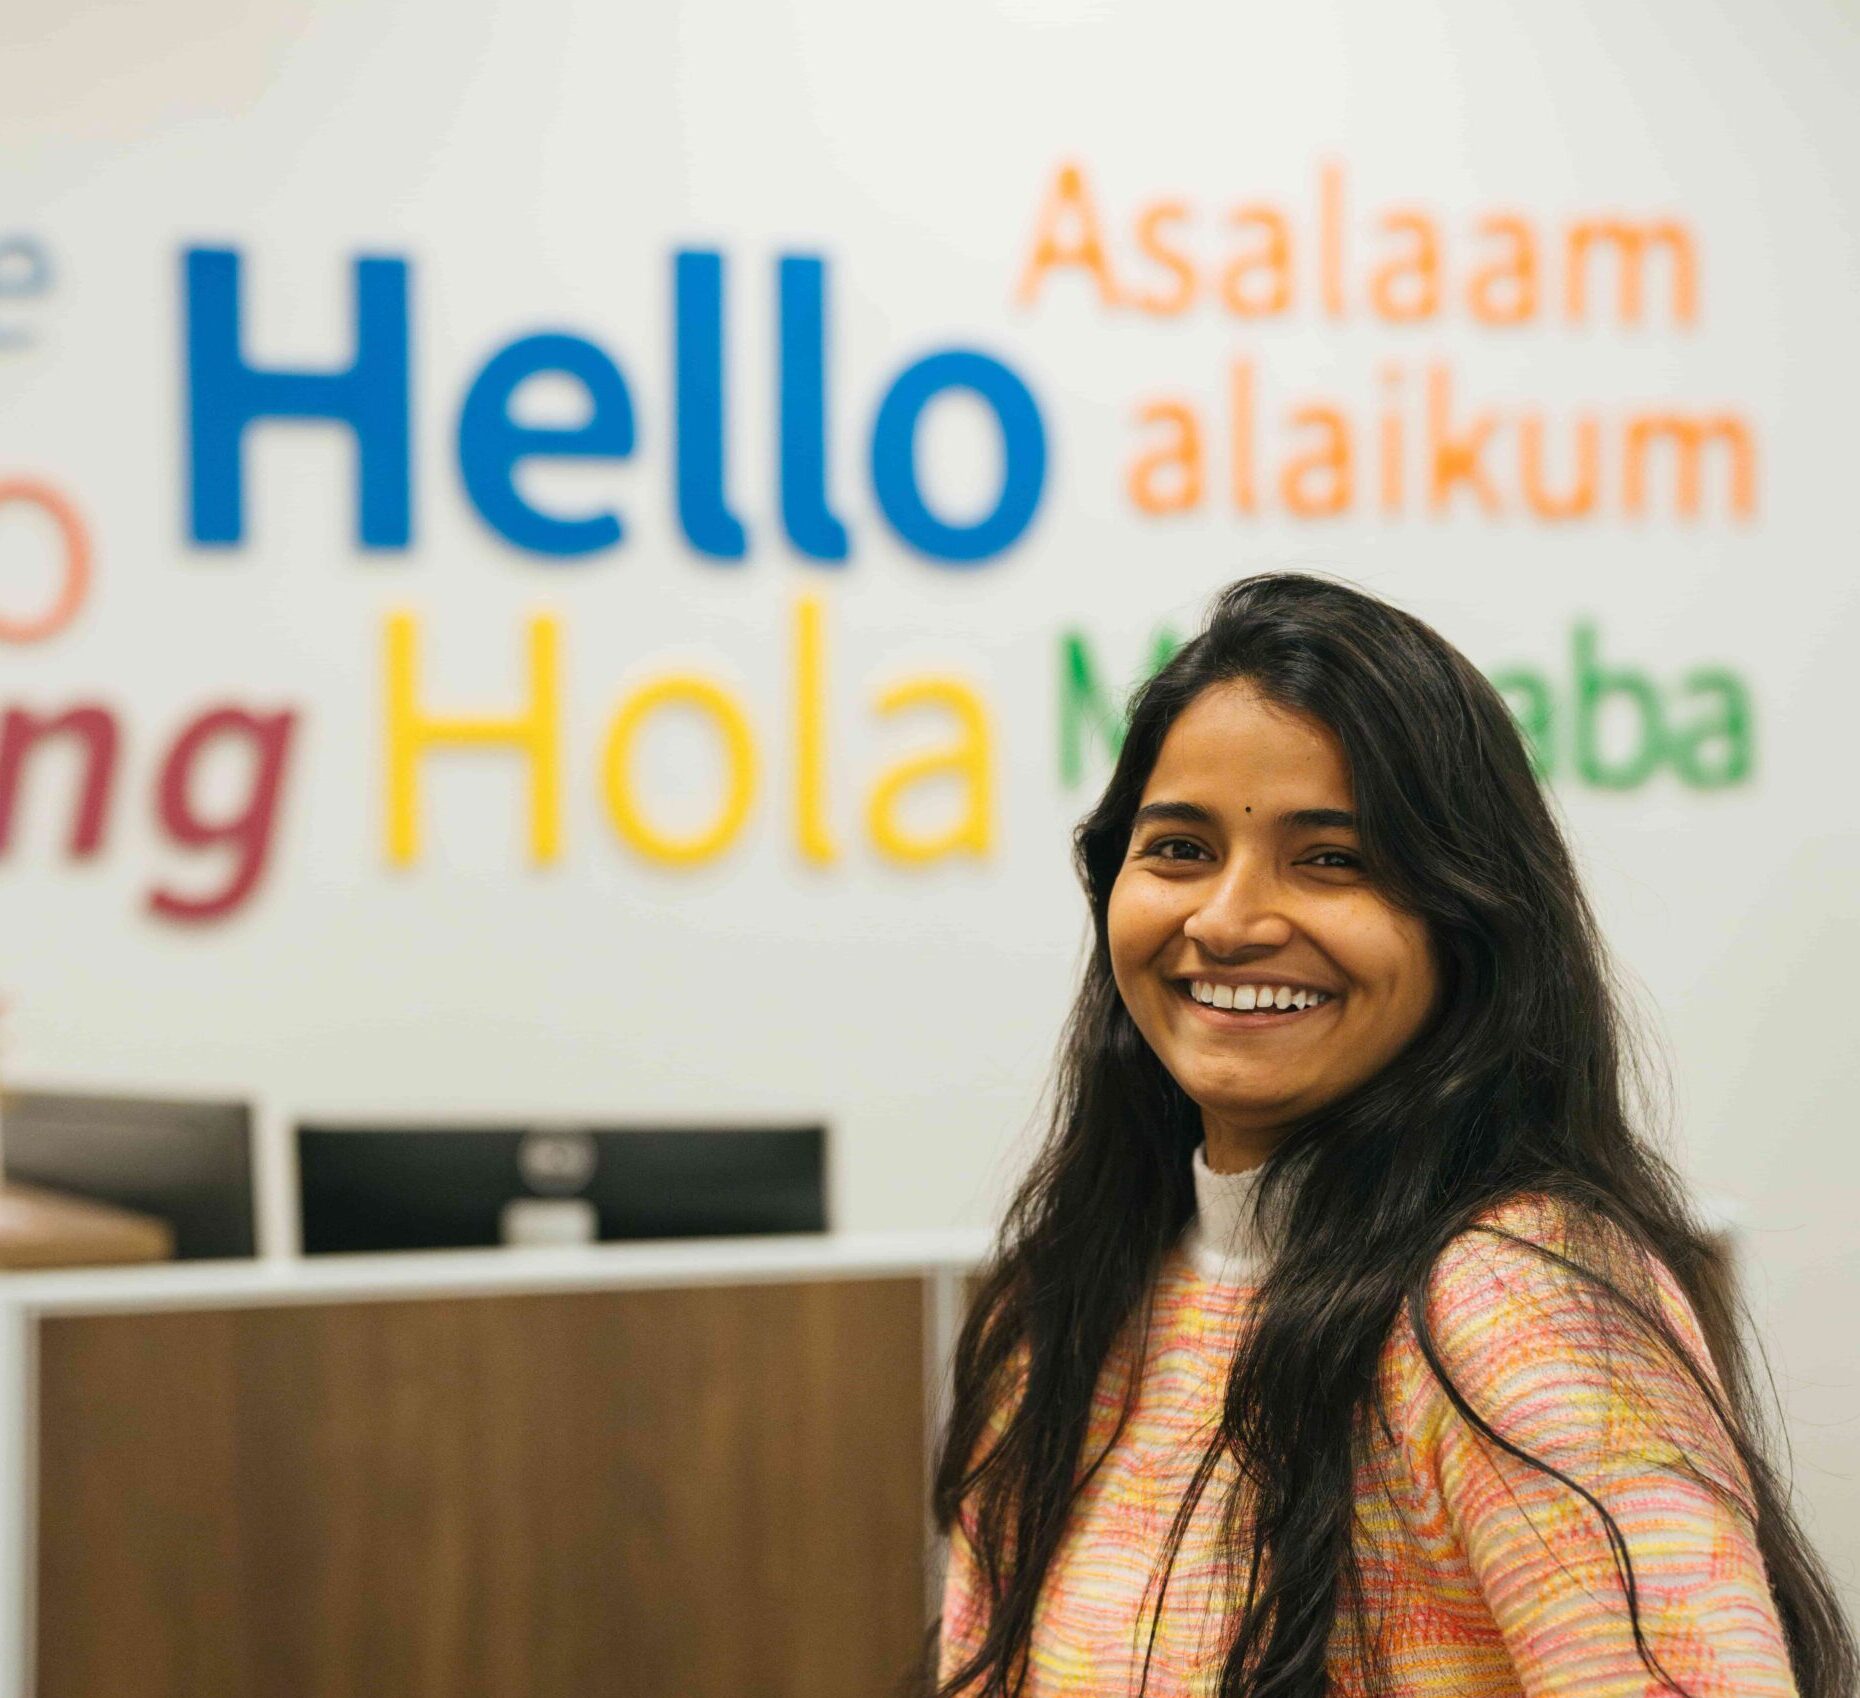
[[1483, 1577]]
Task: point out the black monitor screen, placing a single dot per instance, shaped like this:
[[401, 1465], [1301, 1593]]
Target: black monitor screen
[[444, 1187]]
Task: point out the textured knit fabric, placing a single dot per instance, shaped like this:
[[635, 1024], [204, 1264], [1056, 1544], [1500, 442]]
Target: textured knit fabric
[[1484, 1577]]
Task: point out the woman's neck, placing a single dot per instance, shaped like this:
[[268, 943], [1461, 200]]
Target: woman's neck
[[1233, 1149]]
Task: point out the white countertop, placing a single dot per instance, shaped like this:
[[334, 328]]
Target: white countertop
[[440, 1273]]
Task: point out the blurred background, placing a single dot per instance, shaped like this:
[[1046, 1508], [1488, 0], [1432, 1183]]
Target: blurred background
[[565, 571]]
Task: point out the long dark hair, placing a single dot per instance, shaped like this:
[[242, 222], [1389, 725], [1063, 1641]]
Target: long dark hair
[[1519, 1085]]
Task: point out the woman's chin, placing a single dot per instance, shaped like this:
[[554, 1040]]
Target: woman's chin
[[1256, 1106]]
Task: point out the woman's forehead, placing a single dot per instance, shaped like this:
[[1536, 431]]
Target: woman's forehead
[[1230, 738]]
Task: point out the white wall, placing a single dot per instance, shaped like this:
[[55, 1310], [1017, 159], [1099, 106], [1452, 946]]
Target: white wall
[[538, 165]]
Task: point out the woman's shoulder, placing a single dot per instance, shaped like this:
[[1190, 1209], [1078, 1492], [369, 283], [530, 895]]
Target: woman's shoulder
[[1515, 1258], [1490, 1288], [1535, 1248], [1541, 1300]]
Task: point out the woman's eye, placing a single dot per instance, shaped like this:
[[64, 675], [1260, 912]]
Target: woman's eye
[[1341, 858], [1158, 848]]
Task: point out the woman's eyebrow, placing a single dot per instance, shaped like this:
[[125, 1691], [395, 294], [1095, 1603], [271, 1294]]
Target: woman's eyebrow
[[1193, 813], [1320, 819], [1181, 813]]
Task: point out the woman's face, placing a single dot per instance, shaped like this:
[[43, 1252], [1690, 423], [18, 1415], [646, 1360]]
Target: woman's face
[[1243, 878]]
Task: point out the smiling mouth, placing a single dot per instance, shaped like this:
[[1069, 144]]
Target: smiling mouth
[[1243, 1019]]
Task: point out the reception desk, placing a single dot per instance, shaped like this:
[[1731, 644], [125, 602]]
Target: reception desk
[[671, 1470]]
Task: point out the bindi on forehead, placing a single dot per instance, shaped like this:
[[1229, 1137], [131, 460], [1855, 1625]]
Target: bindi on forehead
[[1193, 813]]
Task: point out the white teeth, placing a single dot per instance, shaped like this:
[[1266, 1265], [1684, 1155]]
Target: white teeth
[[1244, 997]]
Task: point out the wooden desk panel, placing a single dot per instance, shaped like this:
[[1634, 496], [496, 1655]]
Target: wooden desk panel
[[666, 1494]]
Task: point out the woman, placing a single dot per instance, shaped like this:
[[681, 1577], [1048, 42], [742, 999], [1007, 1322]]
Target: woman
[[1346, 1337]]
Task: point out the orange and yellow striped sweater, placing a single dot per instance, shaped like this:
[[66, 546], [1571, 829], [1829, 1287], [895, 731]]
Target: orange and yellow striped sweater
[[1483, 1577]]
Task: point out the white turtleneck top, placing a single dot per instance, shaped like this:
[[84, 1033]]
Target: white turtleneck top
[[1221, 1241]]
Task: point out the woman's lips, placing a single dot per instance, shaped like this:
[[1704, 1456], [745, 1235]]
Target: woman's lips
[[1252, 1019]]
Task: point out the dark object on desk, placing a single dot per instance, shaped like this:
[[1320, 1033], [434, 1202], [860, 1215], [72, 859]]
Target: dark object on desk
[[186, 1163], [446, 1187]]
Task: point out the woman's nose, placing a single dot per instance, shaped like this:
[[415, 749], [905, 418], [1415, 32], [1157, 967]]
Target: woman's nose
[[1242, 910]]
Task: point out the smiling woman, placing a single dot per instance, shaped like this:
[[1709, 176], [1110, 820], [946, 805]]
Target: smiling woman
[[1260, 887], [1364, 1346]]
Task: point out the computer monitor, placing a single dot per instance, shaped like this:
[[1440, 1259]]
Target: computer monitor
[[424, 1187], [188, 1163]]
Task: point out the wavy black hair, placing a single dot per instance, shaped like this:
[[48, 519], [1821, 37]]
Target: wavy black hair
[[1521, 1083]]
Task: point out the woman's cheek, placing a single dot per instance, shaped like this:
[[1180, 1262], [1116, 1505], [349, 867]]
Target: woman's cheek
[[1137, 928]]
